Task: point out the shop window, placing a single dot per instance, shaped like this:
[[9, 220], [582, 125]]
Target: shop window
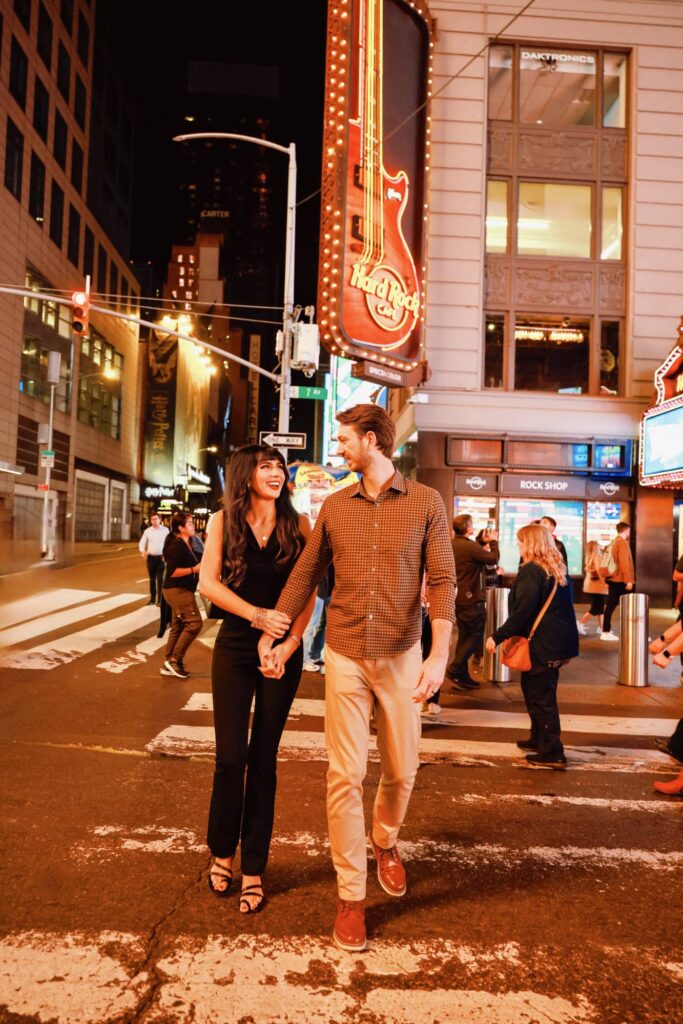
[[556, 87], [602, 518], [41, 109], [36, 195], [44, 40], [552, 355], [14, 159], [64, 71], [497, 216], [518, 512], [18, 73], [57, 215], [615, 67], [482, 510], [494, 348], [612, 224], [610, 337], [554, 219], [59, 139]]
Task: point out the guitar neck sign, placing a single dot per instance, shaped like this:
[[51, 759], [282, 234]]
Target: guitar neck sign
[[371, 289]]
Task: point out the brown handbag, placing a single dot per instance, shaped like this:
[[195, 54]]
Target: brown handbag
[[515, 652]]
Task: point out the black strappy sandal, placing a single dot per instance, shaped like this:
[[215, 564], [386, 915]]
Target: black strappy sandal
[[252, 890], [220, 871]]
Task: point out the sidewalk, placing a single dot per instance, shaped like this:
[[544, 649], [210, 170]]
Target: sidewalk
[[24, 556]]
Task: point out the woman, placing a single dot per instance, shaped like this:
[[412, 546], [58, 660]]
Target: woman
[[554, 642], [593, 585], [180, 583], [251, 548]]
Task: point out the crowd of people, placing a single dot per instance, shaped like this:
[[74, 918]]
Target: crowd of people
[[378, 575]]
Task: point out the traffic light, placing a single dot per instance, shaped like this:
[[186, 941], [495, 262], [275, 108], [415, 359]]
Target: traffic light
[[80, 314]]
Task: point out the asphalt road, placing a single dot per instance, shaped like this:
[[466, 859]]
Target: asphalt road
[[533, 896]]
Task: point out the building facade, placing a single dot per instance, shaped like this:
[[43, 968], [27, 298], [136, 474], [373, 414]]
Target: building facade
[[555, 267], [50, 241]]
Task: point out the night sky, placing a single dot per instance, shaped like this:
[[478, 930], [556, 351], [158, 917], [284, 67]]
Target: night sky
[[287, 33]]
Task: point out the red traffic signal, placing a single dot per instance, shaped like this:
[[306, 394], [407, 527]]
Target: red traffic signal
[[80, 313]]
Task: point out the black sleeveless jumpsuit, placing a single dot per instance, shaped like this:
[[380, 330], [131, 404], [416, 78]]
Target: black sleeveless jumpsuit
[[239, 809]]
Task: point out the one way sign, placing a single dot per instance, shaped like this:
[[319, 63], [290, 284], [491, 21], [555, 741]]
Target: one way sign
[[282, 440]]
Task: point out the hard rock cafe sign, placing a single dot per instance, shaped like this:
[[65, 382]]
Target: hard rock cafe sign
[[371, 274]]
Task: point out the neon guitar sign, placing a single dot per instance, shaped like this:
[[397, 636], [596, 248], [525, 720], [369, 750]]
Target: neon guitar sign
[[371, 295]]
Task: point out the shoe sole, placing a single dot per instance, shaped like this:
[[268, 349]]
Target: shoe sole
[[552, 767], [167, 672], [347, 947], [170, 671]]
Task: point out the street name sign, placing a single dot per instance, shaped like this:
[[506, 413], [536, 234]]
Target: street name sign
[[282, 440], [47, 459], [305, 391]]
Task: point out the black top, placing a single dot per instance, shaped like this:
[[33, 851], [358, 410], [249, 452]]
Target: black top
[[262, 585], [557, 637], [562, 549], [179, 556], [470, 559]]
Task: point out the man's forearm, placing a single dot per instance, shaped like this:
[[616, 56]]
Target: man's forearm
[[441, 638]]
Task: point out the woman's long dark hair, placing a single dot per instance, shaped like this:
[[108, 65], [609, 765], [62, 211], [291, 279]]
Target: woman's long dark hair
[[178, 519], [237, 502]]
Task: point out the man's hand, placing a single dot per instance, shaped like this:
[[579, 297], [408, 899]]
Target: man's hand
[[430, 679], [490, 645], [629, 586]]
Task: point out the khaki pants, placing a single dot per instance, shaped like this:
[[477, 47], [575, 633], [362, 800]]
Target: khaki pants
[[186, 622], [352, 688]]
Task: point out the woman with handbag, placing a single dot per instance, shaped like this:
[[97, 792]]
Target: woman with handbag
[[180, 583], [593, 585], [539, 636], [251, 548]]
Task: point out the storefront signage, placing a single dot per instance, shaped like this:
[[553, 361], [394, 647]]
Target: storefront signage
[[609, 490], [476, 483], [542, 486], [371, 274], [197, 476], [157, 491], [661, 428], [552, 58], [382, 374]]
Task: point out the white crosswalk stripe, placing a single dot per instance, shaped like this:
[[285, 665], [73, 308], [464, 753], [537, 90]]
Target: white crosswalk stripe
[[39, 604]]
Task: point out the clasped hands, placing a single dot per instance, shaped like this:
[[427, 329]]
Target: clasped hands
[[273, 659]]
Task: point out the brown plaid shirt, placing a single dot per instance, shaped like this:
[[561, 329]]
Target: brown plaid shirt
[[380, 549]]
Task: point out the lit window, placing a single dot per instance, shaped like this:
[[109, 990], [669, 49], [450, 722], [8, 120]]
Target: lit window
[[556, 87], [500, 83], [614, 90], [612, 224], [554, 219], [497, 216]]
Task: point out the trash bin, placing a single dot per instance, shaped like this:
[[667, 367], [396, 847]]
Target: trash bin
[[634, 610], [496, 614]]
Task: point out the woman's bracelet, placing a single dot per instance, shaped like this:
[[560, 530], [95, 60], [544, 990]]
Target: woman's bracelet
[[295, 638], [258, 622]]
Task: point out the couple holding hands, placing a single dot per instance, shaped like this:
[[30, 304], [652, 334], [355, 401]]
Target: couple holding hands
[[261, 565]]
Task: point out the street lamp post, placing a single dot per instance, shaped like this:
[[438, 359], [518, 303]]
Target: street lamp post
[[290, 238]]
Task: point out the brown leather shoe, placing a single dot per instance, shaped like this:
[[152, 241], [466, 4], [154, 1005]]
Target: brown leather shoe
[[390, 872], [349, 926]]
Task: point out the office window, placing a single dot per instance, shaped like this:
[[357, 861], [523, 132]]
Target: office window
[[66, 11], [614, 90], [44, 40], [79, 101], [100, 385], [14, 159], [551, 354], [88, 251], [59, 140], [36, 194], [76, 165], [41, 109], [557, 87], [102, 271], [74, 239], [124, 293], [18, 73], [497, 216], [610, 349], [494, 338], [554, 219], [83, 39], [500, 83], [113, 284], [64, 71], [44, 333], [57, 215], [22, 10], [612, 224]]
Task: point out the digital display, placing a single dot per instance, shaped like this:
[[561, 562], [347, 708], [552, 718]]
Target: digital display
[[608, 456], [663, 442]]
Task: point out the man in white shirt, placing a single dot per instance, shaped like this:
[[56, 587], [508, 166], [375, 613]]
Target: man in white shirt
[[151, 547]]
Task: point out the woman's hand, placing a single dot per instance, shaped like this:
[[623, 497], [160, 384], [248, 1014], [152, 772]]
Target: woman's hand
[[271, 622], [274, 661], [490, 645]]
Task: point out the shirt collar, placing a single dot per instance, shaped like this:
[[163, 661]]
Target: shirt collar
[[397, 483]]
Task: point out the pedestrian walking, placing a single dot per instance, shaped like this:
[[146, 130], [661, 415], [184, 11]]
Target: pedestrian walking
[[470, 599], [251, 547], [180, 584], [618, 570], [381, 535], [594, 586], [541, 605], [151, 548], [551, 525], [314, 637]]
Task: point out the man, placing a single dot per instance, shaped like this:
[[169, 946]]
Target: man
[[470, 600], [151, 547], [551, 524], [620, 581], [381, 536]]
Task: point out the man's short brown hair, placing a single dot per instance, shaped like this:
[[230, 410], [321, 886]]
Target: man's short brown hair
[[368, 418], [461, 524], [622, 527]]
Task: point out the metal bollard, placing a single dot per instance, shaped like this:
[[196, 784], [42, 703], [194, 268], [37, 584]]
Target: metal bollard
[[496, 614], [634, 612]]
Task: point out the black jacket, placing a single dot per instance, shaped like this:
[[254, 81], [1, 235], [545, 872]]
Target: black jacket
[[557, 637], [470, 559]]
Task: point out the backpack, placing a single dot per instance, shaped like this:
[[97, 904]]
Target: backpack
[[608, 564]]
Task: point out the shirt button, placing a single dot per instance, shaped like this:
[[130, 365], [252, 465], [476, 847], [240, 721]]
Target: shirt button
[[369, 616]]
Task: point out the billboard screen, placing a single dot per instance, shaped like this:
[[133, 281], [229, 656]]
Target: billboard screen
[[663, 443]]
